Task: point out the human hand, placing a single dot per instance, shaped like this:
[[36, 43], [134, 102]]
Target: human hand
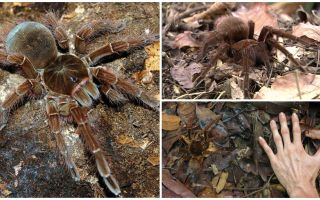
[[295, 169]]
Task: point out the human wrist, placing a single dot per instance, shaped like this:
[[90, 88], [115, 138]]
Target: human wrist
[[304, 190]]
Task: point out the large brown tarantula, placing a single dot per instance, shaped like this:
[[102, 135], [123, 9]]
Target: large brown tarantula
[[233, 39], [69, 79]]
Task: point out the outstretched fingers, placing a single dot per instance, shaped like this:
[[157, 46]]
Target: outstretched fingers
[[296, 129], [267, 149], [284, 130], [276, 136]]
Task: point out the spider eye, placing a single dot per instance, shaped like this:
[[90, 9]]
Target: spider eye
[[74, 79]]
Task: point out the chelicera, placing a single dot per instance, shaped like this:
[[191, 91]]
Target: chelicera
[[233, 40], [70, 79]]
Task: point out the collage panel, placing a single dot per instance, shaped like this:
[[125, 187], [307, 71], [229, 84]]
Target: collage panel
[[79, 99], [234, 50], [224, 149]]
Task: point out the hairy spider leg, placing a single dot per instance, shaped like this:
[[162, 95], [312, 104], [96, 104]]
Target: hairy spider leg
[[95, 29], [211, 40], [79, 115], [55, 126], [276, 45], [115, 48], [247, 64], [251, 29], [16, 96], [51, 21], [106, 76], [113, 95], [24, 63], [266, 36], [221, 49], [268, 32]]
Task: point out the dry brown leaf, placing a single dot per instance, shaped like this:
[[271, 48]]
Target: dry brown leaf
[[187, 113], [170, 122], [211, 149], [185, 40], [144, 76], [207, 193], [285, 87], [170, 139], [236, 91], [152, 63], [206, 117], [131, 142], [313, 133], [175, 186], [154, 160], [124, 139], [157, 97], [259, 14], [285, 7], [184, 75], [222, 181], [3, 190], [307, 29]]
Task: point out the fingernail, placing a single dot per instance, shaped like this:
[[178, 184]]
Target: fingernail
[[272, 122]]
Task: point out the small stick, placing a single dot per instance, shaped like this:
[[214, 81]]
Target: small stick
[[297, 83], [220, 95], [262, 188], [192, 94]]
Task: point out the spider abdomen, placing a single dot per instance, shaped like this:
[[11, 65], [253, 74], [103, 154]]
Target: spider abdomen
[[33, 40]]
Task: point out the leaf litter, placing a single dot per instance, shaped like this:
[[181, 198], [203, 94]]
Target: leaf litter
[[187, 24], [214, 151]]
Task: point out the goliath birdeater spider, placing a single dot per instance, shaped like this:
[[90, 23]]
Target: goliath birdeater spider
[[69, 79]]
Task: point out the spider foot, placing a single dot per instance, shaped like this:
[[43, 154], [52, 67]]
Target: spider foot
[[105, 172], [72, 168], [108, 78]]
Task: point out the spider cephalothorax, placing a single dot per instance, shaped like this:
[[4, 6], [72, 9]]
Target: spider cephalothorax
[[69, 81], [233, 39]]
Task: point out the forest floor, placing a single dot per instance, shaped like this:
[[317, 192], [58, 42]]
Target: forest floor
[[211, 149], [203, 59]]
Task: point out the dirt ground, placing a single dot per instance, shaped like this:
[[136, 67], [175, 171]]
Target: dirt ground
[[30, 165]]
